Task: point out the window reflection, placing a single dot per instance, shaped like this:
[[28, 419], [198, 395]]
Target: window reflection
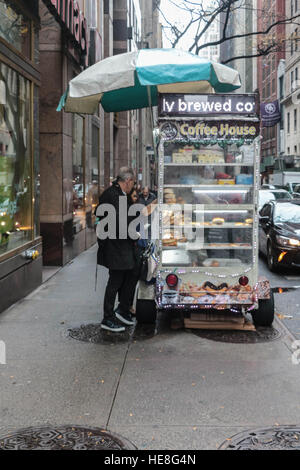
[[92, 175], [15, 29], [79, 190], [15, 160]]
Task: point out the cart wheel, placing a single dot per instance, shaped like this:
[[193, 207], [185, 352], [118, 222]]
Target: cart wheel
[[264, 316], [271, 259], [145, 311]]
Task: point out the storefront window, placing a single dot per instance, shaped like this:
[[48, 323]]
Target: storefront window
[[94, 169], [92, 177], [15, 160], [79, 191], [15, 29]]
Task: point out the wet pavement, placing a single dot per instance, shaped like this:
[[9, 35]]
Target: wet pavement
[[260, 335], [157, 388], [286, 287]]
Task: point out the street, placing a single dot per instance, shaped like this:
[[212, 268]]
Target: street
[[174, 390], [287, 303]]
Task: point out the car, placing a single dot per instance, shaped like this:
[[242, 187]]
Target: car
[[290, 187], [268, 186], [79, 189], [266, 195], [296, 192], [279, 233]]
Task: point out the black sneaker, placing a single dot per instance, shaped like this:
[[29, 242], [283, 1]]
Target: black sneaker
[[125, 318], [112, 325]]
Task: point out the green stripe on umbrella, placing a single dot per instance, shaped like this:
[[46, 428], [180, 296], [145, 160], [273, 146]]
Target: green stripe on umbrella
[[134, 79]]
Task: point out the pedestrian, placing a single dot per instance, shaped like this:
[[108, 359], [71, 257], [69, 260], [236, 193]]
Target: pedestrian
[[146, 197], [133, 196], [133, 199], [155, 191], [118, 255]]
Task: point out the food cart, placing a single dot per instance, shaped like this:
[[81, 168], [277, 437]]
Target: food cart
[[207, 249]]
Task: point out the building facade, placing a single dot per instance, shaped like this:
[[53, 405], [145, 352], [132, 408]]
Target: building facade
[[241, 21], [54, 166], [71, 145], [151, 38], [290, 90], [213, 34], [122, 32], [20, 80], [271, 11]]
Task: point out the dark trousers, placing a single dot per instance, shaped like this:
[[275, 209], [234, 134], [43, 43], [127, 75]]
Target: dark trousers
[[122, 282]]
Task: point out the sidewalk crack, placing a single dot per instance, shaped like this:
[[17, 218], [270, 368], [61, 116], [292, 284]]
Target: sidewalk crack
[[119, 380]]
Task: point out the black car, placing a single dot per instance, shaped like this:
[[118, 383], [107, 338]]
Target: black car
[[279, 233]]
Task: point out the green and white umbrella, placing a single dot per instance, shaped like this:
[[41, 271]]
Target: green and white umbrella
[[134, 79]]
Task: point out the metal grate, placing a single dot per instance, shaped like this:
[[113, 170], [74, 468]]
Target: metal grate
[[276, 438], [261, 335], [64, 438]]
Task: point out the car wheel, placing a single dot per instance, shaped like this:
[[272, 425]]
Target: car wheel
[[145, 311], [264, 316], [271, 258]]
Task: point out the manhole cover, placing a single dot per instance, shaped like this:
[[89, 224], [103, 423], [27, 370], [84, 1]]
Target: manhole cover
[[64, 438], [278, 438], [93, 333], [261, 335]]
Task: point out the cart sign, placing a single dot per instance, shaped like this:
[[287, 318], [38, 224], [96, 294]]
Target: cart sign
[[209, 104], [195, 130]]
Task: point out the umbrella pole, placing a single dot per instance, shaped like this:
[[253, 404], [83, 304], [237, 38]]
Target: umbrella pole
[[150, 106], [152, 122]]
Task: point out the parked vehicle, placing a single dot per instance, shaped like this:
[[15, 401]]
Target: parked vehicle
[[268, 186], [291, 187], [285, 179], [279, 233], [79, 189], [296, 192], [266, 195]]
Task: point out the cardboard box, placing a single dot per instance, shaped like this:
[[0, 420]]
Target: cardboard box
[[226, 181], [182, 157]]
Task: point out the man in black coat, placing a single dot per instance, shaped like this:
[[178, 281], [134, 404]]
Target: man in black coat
[[116, 251]]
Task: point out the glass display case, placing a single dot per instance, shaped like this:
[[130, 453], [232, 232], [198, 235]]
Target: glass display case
[[207, 200]]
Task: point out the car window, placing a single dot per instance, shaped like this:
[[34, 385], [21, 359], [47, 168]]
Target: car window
[[286, 212], [282, 195]]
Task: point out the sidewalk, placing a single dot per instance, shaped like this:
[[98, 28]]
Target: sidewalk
[[173, 391]]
